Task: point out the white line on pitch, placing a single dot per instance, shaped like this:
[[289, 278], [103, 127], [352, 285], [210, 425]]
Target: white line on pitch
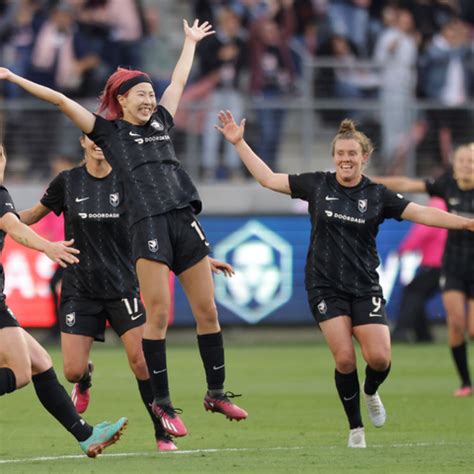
[[216, 450]]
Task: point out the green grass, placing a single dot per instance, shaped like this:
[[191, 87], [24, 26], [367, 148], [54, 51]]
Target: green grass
[[296, 423]]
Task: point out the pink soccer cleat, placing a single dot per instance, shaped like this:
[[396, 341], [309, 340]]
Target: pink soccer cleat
[[165, 443], [80, 394], [463, 392], [169, 419], [222, 404]]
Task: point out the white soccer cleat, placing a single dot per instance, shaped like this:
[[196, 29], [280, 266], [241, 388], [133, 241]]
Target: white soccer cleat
[[357, 438], [376, 409]]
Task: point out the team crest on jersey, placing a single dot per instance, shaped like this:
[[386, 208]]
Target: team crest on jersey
[[153, 245], [157, 125], [114, 199], [71, 319], [362, 205], [322, 307]]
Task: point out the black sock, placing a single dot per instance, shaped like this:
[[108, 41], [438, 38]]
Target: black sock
[[54, 398], [349, 392], [7, 381], [86, 380], [460, 360], [155, 356], [144, 386], [211, 348], [374, 378]]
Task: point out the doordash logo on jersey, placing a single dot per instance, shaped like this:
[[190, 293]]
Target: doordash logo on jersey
[[343, 217], [158, 138]]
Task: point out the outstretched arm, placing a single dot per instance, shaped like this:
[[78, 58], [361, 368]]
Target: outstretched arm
[[59, 252], [401, 184], [436, 218], [3, 163], [34, 214], [172, 95], [234, 134], [81, 117]]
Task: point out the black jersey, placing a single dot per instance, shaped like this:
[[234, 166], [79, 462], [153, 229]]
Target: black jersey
[[342, 255], [95, 217], [145, 158], [6, 205], [459, 249]]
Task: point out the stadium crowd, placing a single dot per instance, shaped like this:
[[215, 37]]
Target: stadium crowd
[[391, 50]]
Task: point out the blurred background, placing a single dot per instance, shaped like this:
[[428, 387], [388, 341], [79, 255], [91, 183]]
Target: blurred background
[[404, 70]]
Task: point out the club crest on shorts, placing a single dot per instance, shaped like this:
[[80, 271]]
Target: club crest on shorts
[[157, 125], [114, 199], [153, 245], [362, 205], [322, 307], [70, 319]]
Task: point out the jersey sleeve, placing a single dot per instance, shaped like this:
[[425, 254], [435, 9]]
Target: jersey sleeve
[[53, 198], [165, 117], [393, 204], [6, 202], [301, 185], [438, 187], [102, 130]]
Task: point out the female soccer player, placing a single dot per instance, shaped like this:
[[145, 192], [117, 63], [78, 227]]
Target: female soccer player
[[162, 202], [23, 359], [102, 286], [456, 187], [344, 293]]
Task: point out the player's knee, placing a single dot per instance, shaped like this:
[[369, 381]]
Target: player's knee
[[74, 374], [456, 325], [206, 312], [345, 362], [379, 361], [157, 314], [138, 365], [23, 376]]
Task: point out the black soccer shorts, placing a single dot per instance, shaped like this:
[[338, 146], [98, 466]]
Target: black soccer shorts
[[175, 238], [362, 310], [88, 317], [7, 318], [457, 282]]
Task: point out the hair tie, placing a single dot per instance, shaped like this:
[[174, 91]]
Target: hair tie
[[129, 83]]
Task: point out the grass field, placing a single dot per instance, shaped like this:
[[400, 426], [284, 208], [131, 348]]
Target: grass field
[[296, 423]]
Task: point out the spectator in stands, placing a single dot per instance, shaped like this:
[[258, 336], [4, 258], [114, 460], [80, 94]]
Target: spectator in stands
[[446, 76], [430, 242], [396, 51], [271, 75], [222, 54]]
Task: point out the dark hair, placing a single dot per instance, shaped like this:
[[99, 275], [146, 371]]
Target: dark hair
[[348, 131], [109, 106]]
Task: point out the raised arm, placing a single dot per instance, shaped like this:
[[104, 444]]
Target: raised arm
[[60, 252], [436, 218], [81, 117], [3, 163], [234, 134], [172, 95], [34, 214], [401, 184]]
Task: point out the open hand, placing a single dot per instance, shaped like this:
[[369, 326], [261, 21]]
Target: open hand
[[5, 73], [62, 253], [218, 267], [232, 132], [198, 31]]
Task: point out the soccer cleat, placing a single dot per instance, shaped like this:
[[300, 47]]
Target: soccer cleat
[[80, 394], [465, 391], [376, 409], [357, 438], [104, 434], [165, 443], [169, 419], [222, 404]]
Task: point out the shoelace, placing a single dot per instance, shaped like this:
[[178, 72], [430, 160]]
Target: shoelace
[[375, 405], [228, 395], [165, 437], [170, 410]]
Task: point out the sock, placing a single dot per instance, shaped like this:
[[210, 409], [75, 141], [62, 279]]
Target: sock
[[348, 389], [374, 378], [460, 360], [7, 381], [54, 398], [86, 381], [211, 348], [155, 356], [144, 387]]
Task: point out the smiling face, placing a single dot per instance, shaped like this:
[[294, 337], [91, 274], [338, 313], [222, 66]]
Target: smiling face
[[91, 150], [138, 104], [349, 160], [463, 165]]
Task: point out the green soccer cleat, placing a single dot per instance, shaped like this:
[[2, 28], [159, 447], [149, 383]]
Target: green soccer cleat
[[104, 434]]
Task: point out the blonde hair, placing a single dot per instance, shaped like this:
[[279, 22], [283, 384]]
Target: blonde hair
[[348, 131]]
